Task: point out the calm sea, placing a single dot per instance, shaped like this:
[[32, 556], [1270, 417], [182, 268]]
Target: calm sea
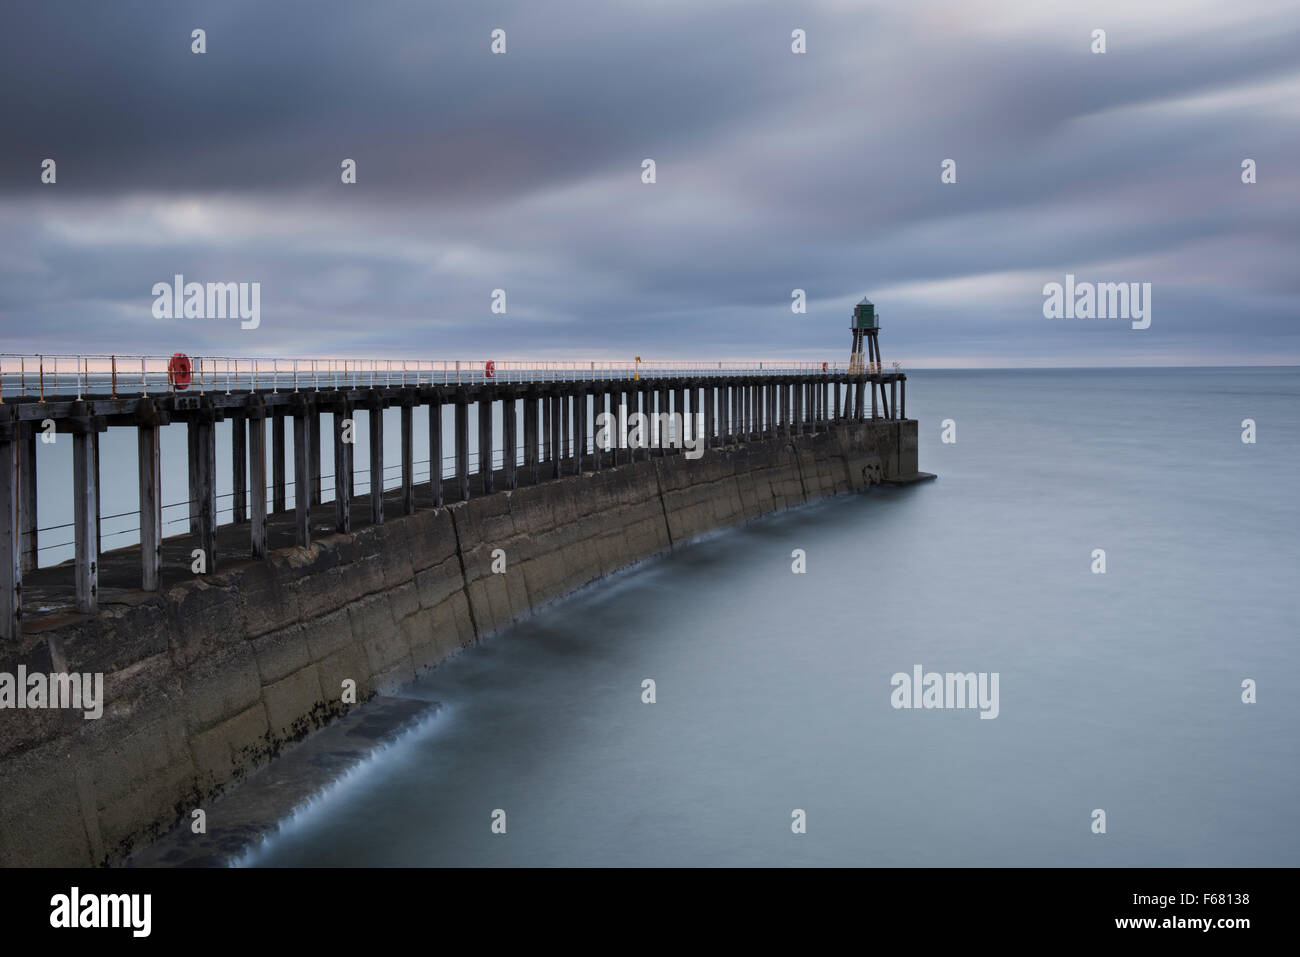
[[1120, 692]]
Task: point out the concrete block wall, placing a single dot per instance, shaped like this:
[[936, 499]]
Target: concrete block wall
[[209, 679]]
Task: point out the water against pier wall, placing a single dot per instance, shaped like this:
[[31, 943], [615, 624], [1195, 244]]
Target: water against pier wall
[[1119, 692]]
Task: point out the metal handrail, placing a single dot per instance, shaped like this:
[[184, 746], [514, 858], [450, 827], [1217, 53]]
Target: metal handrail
[[39, 375]]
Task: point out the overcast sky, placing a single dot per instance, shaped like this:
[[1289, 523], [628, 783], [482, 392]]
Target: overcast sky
[[775, 171]]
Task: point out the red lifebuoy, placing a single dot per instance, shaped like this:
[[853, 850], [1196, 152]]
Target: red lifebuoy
[[490, 370], [824, 367], [179, 371]]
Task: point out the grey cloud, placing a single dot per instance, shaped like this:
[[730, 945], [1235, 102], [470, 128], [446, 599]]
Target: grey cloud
[[775, 171]]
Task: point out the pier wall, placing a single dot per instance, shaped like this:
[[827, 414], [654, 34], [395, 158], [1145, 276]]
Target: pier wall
[[206, 680]]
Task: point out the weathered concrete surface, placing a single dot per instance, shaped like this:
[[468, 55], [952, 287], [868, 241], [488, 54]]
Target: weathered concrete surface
[[237, 821], [210, 678]]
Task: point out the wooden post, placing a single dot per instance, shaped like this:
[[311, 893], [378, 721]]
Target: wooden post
[[683, 398], [679, 407], [628, 400], [557, 450], [277, 463], [238, 468], [313, 438], [485, 445], [633, 403], [546, 428], [720, 394], [893, 398], [579, 430], [27, 524], [192, 438], [408, 460], [902, 399], [207, 484], [530, 438], [880, 368], [257, 482], [651, 420], [874, 413], [665, 408], [344, 442], [607, 404], [633, 406], [646, 403], [651, 401], [435, 450], [510, 434], [598, 400], [376, 462], [617, 402], [462, 445], [689, 403], [566, 445], [11, 564], [618, 407], [710, 394], [609, 456], [148, 442], [733, 414], [301, 481], [661, 407]]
